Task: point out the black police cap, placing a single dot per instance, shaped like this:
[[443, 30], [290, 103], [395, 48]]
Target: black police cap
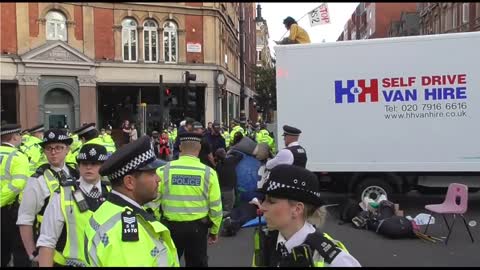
[[197, 125], [91, 152], [135, 156], [55, 135], [189, 121], [293, 182], [292, 131], [190, 137], [37, 128], [84, 129], [6, 129]]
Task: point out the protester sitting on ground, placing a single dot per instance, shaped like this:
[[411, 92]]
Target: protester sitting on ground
[[247, 174]]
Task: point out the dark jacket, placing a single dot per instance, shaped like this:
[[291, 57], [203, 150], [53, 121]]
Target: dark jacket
[[227, 175]]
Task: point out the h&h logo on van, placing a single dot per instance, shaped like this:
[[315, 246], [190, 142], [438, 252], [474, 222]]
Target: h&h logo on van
[[353, 91]]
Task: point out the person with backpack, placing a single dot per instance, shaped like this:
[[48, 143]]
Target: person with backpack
[[293, 213]]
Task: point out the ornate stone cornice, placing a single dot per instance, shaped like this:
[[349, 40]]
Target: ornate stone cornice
[[28, 79], [87, 81]]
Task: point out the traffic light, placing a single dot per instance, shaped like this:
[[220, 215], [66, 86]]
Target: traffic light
[[167, 97], [189, 77], [192, 97]]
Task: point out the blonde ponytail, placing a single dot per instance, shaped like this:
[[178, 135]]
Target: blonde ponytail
[[318, 217]]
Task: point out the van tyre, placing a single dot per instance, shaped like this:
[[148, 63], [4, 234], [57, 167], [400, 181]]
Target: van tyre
[[373, 187]]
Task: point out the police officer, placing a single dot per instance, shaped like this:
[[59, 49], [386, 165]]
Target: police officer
[[89, 134], [120, 232], [263, 136], [293, 214], [236, 127], [106, 136], [226, 136], [41, 186], [32, 148], [190, 202], [185, 126], [293, 154], [13, 177], [71, 207]]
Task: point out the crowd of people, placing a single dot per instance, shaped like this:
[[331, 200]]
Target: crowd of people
[[73, 199]]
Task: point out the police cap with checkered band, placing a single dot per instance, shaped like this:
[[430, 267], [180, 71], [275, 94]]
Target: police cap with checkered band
[[190, 137], [293, 182], [85, 129], [92, 152], [135, 156], [38, 128], [6, 129], [55, 135]]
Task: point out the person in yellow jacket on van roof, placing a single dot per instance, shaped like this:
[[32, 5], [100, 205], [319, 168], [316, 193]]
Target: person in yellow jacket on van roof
[[298, 35]]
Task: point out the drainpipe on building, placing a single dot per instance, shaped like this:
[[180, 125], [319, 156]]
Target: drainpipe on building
[[242, 61]]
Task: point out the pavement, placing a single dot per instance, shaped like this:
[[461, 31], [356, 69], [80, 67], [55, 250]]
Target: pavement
[[372, 249]]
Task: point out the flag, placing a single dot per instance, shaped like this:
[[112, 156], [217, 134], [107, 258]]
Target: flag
[[319, 16]]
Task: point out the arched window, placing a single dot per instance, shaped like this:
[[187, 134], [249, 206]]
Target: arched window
[[170, 41], [129, 40], [56, 26], [150, 41]]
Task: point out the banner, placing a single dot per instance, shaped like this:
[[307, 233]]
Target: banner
[[319, 16]]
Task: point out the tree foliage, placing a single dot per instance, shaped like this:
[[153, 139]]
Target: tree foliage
[[266, 88]]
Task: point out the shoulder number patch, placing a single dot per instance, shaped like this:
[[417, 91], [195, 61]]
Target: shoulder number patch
[[129, 227]]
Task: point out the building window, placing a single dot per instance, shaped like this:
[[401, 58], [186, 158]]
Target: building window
[[437, 25], [170, 42], [370, 15], [465, 12], [150, 41], [129, 40], [56, 26], [259, 55], [369, 32], [477, 10]]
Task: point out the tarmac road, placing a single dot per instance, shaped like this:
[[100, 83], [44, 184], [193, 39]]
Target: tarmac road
[[375, 250]]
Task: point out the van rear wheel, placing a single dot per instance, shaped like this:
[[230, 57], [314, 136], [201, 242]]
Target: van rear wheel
[[373, 188]]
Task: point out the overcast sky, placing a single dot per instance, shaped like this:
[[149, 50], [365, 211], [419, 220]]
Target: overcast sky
[[275, 13]]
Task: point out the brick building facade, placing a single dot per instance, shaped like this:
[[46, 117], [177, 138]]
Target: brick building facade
[[439, 18], [372, 20], [99, 62]]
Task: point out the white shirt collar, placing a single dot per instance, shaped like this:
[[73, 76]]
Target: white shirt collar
[[87, 187], [126, 198], [9, 144], [64, 168], [293, 144], [298, 238]]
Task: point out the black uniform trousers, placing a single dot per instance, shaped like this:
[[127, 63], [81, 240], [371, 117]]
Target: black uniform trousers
[[11, 240], [190, 237]]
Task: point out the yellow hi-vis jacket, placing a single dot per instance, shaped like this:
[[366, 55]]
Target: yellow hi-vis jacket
[[189, 190], [14, 172], [105, 246], [317, 259]]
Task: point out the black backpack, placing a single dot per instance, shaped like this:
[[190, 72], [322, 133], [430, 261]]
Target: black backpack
[[396, 227], [348, 210], [385, 210]]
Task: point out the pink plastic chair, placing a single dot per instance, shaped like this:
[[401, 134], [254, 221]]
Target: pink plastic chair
[[455, 203]]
